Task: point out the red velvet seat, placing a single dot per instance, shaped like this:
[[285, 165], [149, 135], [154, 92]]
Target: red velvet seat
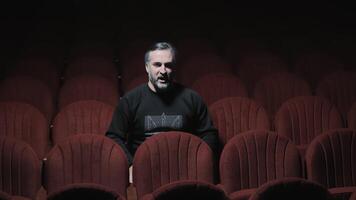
[[26, 123], [188, 190], [89, 116], [168, 157], [340, 88], [96, 66], [214, 87], [88, 88], [39, 68], [353, 196], [275, 89], [313, 66], [87, 191], [199, 66], [351, 117], [292, 189], [255, 157], [303, 118], [86, 158], [331, 159], [253, 67], [20, 172], [28, 90], [5, 196], [234, 115]]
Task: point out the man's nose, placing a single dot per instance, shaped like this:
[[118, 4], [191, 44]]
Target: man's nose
[[163, 69]]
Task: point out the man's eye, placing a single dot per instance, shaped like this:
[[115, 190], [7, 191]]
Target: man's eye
[[157, 64], [169, 65]]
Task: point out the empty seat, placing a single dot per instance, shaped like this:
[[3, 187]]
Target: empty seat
[[188, 190], [313, 66], [275, 89], [82, 117], [292, 189], [26, 123], [92, 66], [351, 118], [253, 67], [28, 90], [190, 47], [303, 118], [340, 88], [201, 65], [20, 172], [87, 191], [5, 196], [168, 157], [214, 87], [330, 161], [86, 158], [255, 157], [40, 68], [234, 115], [88, 88], [353, 196]]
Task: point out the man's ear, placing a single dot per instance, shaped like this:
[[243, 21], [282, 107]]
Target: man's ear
[[146, 66]]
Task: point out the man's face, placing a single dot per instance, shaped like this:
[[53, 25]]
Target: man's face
[[160, 70]]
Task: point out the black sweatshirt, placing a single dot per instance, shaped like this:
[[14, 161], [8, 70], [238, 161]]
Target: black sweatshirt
[[142, 113]]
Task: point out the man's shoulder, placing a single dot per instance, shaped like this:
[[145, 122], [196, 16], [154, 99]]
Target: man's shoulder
[[136, 92]]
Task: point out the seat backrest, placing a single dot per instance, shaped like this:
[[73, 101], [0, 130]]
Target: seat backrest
[[234, 115], [89, 116], [168, 157], [86, 158], [199, 66], [88, 87], [189, 190], [274, 89], [26, 123], [255, 157], [303, 118], [330, 158], [313, 66], [86, 65], [340, 88], [293, 189], [41, 68], [28, 90], [214, 87], [20, 172], [353, 196], [87, 191], [351, 117], [252, 67]]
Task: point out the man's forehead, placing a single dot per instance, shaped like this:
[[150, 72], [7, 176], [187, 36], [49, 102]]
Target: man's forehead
[[165, 55]]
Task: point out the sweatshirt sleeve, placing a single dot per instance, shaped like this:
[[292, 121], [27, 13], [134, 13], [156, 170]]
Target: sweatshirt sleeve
[[119, 127], [204, 126]]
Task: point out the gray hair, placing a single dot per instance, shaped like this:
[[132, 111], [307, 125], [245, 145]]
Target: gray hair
[[161, 46]]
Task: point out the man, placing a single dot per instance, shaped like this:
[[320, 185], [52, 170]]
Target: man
[[160, 105]]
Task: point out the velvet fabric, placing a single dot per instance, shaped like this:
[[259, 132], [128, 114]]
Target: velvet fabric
[[168, 157], [26, 123], [253, 158], [88, 116], [20, 173], [86, 158], [234, 115]]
